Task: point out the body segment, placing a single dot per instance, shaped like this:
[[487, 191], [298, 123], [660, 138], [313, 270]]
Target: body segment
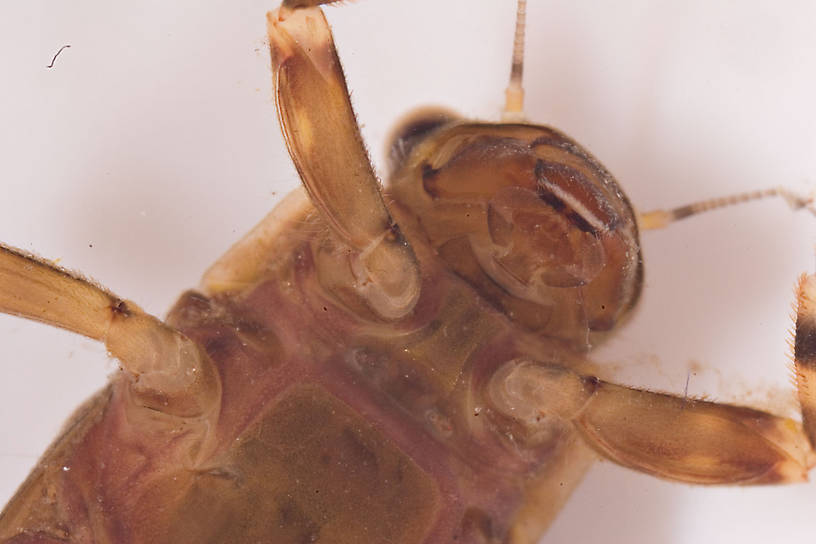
[[129, 293]]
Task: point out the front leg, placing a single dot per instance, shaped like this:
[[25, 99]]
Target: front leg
[[324, 141], [672, 437]]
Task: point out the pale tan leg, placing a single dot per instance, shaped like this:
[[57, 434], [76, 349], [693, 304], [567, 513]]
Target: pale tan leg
[[324, 141], [174, 375], [671, 437]]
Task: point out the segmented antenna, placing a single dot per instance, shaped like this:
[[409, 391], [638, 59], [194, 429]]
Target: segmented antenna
[[514, 95], [659, 219]]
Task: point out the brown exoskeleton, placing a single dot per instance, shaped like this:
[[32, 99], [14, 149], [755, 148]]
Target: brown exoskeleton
[[679, 389]]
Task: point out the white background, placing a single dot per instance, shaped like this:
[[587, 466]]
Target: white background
[[152, 145]]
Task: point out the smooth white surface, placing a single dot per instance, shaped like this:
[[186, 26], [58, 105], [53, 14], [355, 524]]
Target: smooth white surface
[[152, 145]]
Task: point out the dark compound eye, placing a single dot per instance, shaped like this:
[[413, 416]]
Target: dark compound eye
[[412, 129]]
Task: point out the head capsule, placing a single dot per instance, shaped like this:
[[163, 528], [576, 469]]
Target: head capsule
[[528, 217]]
